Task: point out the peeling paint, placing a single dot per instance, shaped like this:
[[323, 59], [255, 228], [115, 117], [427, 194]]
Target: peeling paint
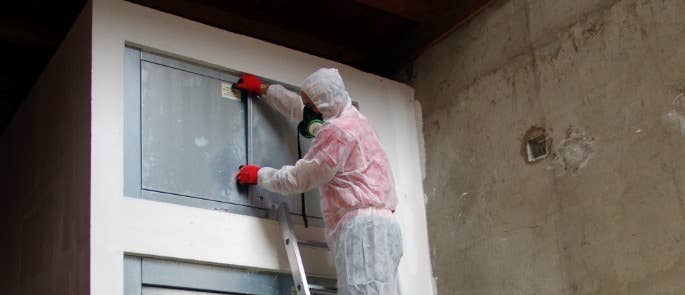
[[201, 141], [575, 151], [679, 103], [584, 31], [678, 119], [677, 115]]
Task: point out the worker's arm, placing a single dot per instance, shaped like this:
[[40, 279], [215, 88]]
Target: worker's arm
[[278, 97], [304, 176], [286, 102], [327, 156]]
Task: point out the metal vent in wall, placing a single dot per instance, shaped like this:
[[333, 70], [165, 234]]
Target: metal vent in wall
[[536, 145]]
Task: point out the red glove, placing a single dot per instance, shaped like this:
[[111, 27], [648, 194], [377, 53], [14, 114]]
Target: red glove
[[248, 174], [249, 83]]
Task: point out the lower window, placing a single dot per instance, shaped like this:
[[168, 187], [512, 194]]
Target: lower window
[[149, 276]]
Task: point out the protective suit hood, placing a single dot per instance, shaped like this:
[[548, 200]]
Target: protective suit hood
[[326, 89]]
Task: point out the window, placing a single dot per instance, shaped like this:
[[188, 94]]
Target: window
[[148, 276]]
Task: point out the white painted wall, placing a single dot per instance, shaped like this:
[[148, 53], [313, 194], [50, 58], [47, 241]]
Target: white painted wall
[[125, 225]]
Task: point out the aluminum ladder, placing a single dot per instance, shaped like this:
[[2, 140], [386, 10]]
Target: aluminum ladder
[[292, 249]]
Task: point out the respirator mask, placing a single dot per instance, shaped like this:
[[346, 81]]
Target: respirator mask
[[310, 124]]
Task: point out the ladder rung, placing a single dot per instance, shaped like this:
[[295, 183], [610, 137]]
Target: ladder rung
[[322, 289], [314, 244]]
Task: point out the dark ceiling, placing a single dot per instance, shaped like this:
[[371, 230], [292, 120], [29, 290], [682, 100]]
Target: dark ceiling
[[377, 36], [30, 31]]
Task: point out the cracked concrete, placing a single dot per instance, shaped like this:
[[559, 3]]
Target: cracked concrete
[[499, 226]]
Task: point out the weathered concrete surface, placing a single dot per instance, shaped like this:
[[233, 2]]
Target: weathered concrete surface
[[45, 177], [611, 69]]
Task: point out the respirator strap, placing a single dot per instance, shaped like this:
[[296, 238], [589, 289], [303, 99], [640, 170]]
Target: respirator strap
[[304, 205]]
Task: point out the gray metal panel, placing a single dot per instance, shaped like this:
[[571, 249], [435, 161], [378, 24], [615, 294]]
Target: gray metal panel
[[224, 207], [203, 277], [193, 139], [198, 69], [151, 276], [206, 69], [132, 122], [166, 291], [273, 143], [132, 275], [174, 155], [208, 204]]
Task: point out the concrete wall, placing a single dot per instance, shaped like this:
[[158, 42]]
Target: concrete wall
[[45, 177], [612, 72], [122, 225]]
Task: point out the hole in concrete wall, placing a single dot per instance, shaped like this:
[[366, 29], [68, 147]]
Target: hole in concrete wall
[[536, 145]]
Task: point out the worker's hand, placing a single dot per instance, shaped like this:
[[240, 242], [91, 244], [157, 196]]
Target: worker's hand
[[250, 83], [248, 175]]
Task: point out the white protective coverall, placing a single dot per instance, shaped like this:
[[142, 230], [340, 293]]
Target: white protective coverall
[[348, 164]]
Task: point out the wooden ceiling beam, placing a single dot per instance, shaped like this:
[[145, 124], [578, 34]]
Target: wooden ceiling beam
[[415, 10]]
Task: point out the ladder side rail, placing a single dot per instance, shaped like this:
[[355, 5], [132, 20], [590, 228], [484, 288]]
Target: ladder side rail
[[293, 251]]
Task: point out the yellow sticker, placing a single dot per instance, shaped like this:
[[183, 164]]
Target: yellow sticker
[[228, 92]]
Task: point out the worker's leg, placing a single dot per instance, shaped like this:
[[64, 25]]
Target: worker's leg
[[367, 250]]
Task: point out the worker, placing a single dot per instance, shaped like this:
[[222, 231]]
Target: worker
[[348, 164]]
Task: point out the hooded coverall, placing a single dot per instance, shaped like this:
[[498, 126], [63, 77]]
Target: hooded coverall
[[348, 164]]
